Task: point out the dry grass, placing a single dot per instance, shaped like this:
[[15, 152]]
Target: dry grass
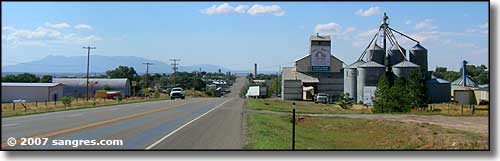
[[274, 132], [310, 107], [40, 107]]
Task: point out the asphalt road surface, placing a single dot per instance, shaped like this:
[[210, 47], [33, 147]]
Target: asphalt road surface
[[193, 123]]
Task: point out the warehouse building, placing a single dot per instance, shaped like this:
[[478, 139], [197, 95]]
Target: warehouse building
[[438, 90], [75, 87], [32, 92], [317, 72]]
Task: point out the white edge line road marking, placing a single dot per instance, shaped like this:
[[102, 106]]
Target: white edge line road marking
[[179, 128], [76, 115], [10, 125], [113, 109]]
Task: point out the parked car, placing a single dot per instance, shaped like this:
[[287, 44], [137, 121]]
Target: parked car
[[177, 93], [321, 98]]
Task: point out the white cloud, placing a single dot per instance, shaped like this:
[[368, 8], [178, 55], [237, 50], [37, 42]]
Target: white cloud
[[369, 12], [425, 24], [261, 9], [256, 9], [83, 26], [224, 8], [58, 26], [408, 22], [241, 9], [331, 28], [470, 30], [42, 36]]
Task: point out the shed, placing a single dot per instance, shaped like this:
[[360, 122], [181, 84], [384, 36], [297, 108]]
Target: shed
[[32, 92], [438, 90], [75, 87]]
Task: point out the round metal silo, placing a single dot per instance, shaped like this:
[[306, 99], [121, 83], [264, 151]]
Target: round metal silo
[[350, 78], [375, 53], [404, 69], [418, 55], [395, 56], [369, 74]]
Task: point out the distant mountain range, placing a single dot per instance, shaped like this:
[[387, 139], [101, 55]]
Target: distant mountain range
[[100, 64]]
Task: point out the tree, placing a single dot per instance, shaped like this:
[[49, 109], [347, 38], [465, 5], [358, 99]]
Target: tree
[[276, 85], [25, 78], [106, 87], [381, 94], [123, 72], [417, 91], [46, 79]]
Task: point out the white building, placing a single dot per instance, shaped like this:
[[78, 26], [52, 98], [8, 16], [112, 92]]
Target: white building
[[32, 92], [317, 72]]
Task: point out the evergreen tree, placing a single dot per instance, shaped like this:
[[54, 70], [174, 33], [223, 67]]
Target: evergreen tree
[[417, 91], [381, 94]]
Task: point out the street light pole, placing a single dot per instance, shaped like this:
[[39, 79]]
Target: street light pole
[[293, 127]]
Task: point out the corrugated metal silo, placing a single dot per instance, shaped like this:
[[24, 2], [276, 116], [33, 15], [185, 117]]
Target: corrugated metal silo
[[375, 53], [395, 56], [418, 55], [350, 78], [369, 74], [404, 68]]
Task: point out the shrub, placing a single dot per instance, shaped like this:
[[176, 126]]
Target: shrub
[[66, 101], [345, 101], [156, 94]]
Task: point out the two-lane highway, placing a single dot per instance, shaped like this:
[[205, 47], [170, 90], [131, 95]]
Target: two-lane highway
[[197, 123]]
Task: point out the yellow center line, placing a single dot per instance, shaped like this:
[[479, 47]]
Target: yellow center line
[[98, 123]]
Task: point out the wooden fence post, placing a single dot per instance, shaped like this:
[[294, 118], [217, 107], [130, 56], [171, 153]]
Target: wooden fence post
[[462, 110], [13, 106], [36, 104]]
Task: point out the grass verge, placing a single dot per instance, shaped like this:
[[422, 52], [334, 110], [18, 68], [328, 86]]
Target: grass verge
[[311, 107], [273, 132], [60, 107]]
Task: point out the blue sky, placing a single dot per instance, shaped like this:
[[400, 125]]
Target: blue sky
[[237, 34]]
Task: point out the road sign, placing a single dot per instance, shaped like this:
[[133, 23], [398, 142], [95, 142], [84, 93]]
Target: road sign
[[134, 83]]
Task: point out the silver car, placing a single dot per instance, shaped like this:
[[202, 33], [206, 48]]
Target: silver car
[[321, 98]]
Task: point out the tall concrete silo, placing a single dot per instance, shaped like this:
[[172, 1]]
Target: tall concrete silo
[[375, 53], [369, 74], [404, 68], [418, 55], [350, 78], [395, 56]]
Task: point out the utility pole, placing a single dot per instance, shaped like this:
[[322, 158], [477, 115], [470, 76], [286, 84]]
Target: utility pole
[[88, 61], [147, 72], [174, 67]]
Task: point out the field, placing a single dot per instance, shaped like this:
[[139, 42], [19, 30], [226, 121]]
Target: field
[[310, 107], [267, 131]]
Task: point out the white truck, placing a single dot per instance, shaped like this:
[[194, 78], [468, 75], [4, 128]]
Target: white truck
[[177, 93], [256, 92]]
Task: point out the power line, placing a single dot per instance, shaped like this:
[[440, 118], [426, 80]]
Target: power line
[[147, 72], [174, 67], [88, 62]]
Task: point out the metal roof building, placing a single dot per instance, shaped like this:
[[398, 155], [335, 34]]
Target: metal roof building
[[317, 72], [75, 87], [32, 91], [438, 90]]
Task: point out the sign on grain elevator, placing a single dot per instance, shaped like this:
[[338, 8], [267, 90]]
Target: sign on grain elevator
[[320, 53]]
